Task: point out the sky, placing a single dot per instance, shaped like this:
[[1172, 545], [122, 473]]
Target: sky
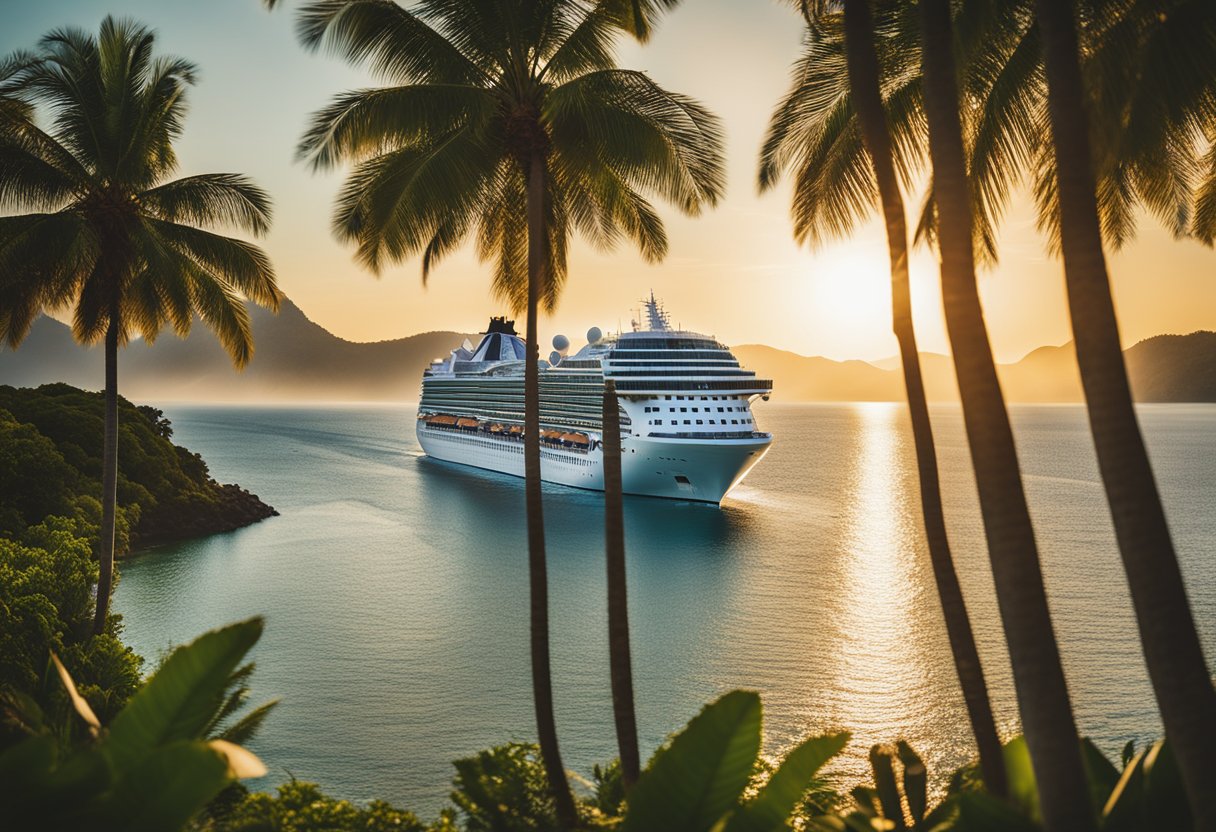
[[734, 272]]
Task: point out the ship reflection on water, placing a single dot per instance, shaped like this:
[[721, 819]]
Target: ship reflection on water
[[838, 628]]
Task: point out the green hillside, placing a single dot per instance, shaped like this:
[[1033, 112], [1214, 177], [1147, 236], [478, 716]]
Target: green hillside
[[50, 464]]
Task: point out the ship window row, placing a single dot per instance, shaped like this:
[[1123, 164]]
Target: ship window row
[[669, 344], [706, 398], [642, 385], [727, 409], [702, 421], [716, 372], [669, 355], [617, 364]]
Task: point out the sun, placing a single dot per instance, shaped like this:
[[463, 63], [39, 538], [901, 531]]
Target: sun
[[849, 288]]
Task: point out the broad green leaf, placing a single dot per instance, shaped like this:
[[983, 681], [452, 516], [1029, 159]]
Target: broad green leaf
[[691, 785], [1023, 790], [916, 781], [1123, 807], [1165, 800], [770, 809], [32, 757], [35, 793], [882, 766], [1100, 772], [980, 812], [167, 787], [180, 700]]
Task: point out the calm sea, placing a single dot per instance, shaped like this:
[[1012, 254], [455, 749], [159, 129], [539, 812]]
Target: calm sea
[[395, 590]]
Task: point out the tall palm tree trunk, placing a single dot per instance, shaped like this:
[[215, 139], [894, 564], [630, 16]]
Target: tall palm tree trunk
[[109, 477], [619, 662], [538, 579], [1180, 675], [1042, 692], [864, 84]]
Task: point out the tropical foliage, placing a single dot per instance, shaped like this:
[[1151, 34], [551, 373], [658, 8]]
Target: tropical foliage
[[47, 575], [51, 464], [152, 767]]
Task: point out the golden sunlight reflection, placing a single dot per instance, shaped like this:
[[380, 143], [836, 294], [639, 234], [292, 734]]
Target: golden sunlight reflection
[[880, 689]]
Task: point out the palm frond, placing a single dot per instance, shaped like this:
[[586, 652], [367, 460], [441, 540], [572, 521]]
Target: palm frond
[[224, 313], [224, 199], [586, 47], [393, 205], [396, 44], [365, 123], [241, 731], [240, 266], [1203, 223], [44, 258], [654, 139]]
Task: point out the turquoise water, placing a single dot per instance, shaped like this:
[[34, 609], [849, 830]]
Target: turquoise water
[[395, 589]]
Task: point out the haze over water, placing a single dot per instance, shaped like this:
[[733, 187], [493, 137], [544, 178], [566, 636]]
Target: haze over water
[[395, 590]]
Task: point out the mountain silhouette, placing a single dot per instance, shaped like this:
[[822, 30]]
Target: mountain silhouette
[[294, 359], [298, 360]]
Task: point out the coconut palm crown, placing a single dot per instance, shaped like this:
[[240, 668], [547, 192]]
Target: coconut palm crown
[[108, 233], [441, 154]]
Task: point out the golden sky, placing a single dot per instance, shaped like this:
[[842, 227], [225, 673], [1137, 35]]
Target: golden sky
[[734, 272]]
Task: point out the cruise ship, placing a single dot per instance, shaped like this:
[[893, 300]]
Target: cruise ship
[[687, 427]]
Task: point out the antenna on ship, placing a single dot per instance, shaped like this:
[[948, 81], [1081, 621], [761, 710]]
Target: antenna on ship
[[656, 315]]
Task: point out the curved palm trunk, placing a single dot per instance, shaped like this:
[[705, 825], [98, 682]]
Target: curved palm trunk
[[1176, 665], [109, 479], [620, 665], [1042, 692], [538, 579], [864, 85]]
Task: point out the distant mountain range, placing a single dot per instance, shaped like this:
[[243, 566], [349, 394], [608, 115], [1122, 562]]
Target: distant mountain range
[[294, 360], [298, 360], [1165, 368]]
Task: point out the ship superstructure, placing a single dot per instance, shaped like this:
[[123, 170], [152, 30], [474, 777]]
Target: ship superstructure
[[687, 427]]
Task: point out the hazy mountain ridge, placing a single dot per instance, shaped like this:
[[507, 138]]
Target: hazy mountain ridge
[[1164, 368], [298, 360], [294, 359]]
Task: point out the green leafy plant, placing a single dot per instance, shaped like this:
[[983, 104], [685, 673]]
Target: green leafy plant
[[152, 767], [1147, 794], [700, 780]]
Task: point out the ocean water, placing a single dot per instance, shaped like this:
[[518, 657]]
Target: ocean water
[[395, 590]]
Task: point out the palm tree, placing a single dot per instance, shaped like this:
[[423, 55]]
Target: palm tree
[[1172, 651], [619, 661], [110, 236], [510, 124], [796, 119], [1042, 692]]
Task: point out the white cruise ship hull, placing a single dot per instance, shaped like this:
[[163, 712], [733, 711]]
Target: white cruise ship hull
[[682, 469]]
